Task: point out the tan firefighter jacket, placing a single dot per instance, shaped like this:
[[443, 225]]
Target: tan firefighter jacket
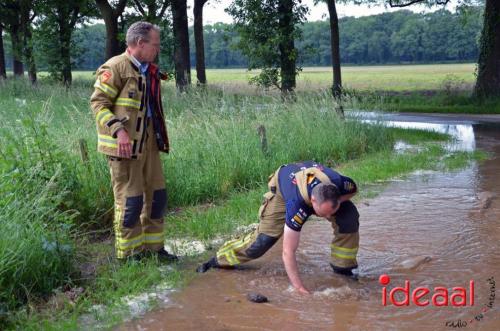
[[120, 101]]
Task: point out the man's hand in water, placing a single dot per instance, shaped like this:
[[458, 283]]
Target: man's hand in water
[[290, 244], [303, 290]]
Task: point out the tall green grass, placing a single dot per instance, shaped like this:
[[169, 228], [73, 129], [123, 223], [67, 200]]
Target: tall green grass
[[458, 101], [36, 247], [216, 148], [214, 139]]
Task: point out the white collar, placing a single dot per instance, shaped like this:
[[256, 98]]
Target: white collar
[[134, 60]]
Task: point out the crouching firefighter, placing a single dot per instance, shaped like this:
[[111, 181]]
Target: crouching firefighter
[[297, 191], [131, 132]]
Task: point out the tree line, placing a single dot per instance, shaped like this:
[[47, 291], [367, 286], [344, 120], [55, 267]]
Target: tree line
[[271, 35], [397, 37]]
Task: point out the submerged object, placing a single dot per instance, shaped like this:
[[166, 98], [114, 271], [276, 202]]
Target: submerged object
[[257, 297], [413, 263], [484, 200]]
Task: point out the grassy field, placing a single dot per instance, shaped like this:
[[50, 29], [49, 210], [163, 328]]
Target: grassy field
[[216, 160], [379, 78], [444, 88]]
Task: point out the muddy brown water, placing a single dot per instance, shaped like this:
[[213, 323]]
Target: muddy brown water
[[432, 229]]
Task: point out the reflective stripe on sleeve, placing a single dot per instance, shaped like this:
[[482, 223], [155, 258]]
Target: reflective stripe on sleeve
[[107, 141], [111, 91], [103, 116], [127, 102]]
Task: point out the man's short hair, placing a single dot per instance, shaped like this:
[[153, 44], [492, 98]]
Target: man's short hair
[[140, 30], [326, 192]]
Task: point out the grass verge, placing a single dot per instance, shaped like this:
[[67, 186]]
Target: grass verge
[[456, 101]]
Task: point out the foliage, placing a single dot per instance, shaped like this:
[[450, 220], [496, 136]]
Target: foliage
[[397, 37], [377, 39], [262, 35], [55, 34]]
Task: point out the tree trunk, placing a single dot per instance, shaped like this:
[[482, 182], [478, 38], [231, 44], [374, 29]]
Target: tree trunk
[[17, 63], [488, 69], [199, 42], [65, 51], [110, 17], [25, 8], [28, 54], [335, 50], [287, 47], [113, 45], [3, 72], [181, 38]]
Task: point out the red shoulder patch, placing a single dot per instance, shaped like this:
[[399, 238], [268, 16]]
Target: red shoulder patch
[[105, 76]]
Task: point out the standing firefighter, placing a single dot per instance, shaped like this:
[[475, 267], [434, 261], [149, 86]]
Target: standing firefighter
[[131, 131], [297, 191]]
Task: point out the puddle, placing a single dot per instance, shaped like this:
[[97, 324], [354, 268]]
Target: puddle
[[462, 132], [433, 229]]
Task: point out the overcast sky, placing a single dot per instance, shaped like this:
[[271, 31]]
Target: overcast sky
[[214, 11]]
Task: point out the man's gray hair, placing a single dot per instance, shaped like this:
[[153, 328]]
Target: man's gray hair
[[326, 192], [140, 30]]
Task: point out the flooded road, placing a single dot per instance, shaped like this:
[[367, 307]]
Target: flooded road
[[433, 229]]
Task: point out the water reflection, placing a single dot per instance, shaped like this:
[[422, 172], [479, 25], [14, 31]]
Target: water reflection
[[462, 133]]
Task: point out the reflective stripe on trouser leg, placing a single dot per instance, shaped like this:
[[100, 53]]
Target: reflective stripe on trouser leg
[[345, 249], [128, 241], [153, 225], [345, 224], [127, 180], [233, 251], [253, 245], [152, 217], [246, 248]]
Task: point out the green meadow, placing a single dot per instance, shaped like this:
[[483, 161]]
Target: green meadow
[[425, 88], [365, 78]]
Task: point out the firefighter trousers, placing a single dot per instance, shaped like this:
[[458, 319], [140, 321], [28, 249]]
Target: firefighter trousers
[[250, 246], [140, 200]]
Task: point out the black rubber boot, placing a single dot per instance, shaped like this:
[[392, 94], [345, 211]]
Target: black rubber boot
[[165, 256], [344, 271], [212, 263]]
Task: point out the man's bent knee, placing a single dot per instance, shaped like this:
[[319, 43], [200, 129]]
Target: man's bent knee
[[260, 246], [159, 204]]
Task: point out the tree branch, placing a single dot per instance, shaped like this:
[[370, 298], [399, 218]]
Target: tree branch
[[120, 7], [166, 3], [139, 7], [74, 16], [103, 5], [412, 2], [30, 19]]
